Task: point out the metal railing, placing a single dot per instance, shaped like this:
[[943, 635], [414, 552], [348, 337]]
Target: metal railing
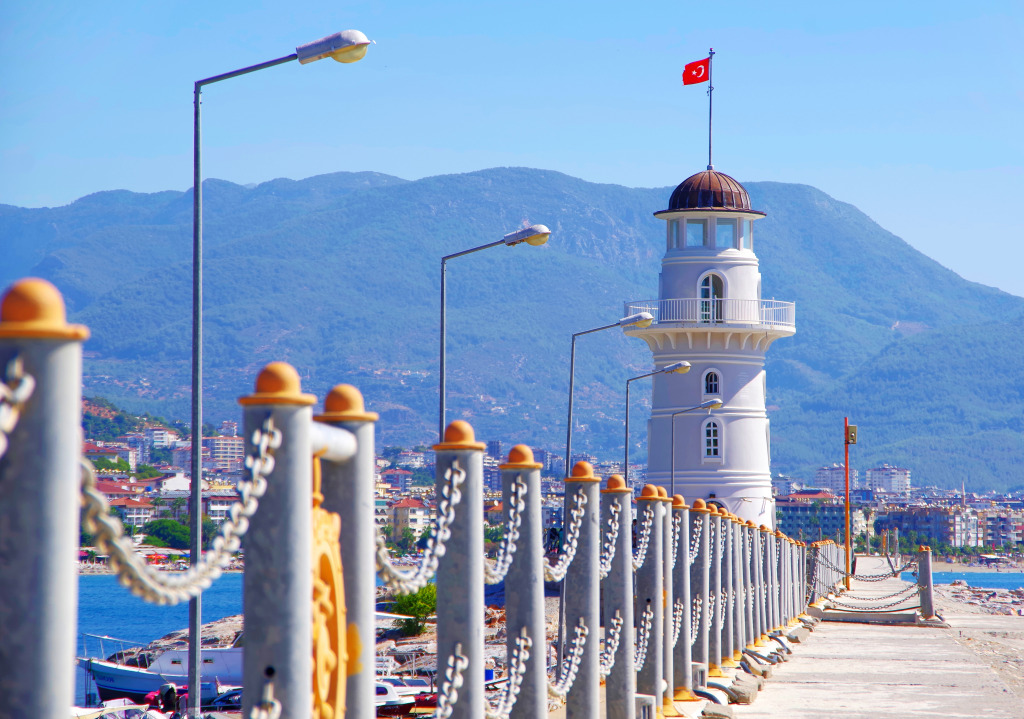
[[771, 314]]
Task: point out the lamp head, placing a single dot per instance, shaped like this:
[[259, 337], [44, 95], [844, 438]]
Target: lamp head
[[535, 235], [713, 403], [344, 46], [678, 367], [640, 319]]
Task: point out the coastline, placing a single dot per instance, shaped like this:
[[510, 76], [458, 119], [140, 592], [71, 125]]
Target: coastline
[[939, 565]]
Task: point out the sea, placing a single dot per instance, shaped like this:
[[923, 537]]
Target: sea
[[980, 580]]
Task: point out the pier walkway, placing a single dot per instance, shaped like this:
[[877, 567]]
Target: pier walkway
[[870, 671]]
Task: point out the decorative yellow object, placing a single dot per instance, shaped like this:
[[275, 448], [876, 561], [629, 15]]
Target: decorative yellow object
[[278, 383], [331, 636], [35, 308]]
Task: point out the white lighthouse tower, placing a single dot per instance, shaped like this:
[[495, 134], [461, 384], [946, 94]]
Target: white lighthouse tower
[[709, 312]]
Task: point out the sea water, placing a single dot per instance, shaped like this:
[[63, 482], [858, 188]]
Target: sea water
[[983, 580]]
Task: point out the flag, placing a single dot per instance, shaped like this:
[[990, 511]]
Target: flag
[[698, 71]]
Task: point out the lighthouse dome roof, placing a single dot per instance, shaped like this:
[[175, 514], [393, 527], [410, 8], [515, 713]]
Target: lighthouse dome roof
[[709, 190]]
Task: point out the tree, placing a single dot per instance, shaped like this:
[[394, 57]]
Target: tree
[[118, 465], [421, 543], [418, 605], [168, 533], [146, 471], [407, 539]]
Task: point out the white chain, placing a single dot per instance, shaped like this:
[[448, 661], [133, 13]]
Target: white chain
[[449, 690], [712, 607], [611, 645], [645, 538], [161, 588], [493, 575], [608, 555], [413, 581], [677, 528], [695, 620], [643, 637], [516, 670], [677, 620], [556, 572], [559, 690], [267, 707], [15, 390], [695, 542]]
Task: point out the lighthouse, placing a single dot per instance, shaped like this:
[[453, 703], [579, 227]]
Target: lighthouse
[[710, 312]]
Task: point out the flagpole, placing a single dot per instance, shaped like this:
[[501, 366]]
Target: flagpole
[[711, 88]]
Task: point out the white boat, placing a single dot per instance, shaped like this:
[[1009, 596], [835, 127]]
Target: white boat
[[221, 667], [390, 704]]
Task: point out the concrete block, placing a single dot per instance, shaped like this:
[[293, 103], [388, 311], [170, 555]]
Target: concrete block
[[718, 711], [798, 635]]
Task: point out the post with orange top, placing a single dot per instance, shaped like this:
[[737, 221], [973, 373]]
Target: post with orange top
[[700, 583], [524, 596], [683, 652], [278, 580], [40, 482], [717, 588], [761, 604], [748, 531], [460, 573], [582, 591], [668, 604], [348, 491], [617, 588], [650, 597], [924, 582], [739, 590], [729, 590]]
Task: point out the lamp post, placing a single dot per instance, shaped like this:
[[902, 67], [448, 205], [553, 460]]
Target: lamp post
[[535, 235], [708, 404], [640, 319], [679, 368], [346, 46]]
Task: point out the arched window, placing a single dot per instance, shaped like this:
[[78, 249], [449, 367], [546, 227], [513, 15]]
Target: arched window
[[712, 440], [711, 293], [712, 385]]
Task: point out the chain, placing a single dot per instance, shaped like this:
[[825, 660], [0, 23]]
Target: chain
[[645, 538], [559, 690], [449, 690], [643, 637], [677, 620], [873, 608], [712, 607], [508, 545], [440, 533], [516, 670], [15, 390], [611, 645], [812, 585], [267, 707], [160, 588], [695, 542], [677, 529], [905, 593], [695, 620], [608, 555], [556, 572], [869, 577]]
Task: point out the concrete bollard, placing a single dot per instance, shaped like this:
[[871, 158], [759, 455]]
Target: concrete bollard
[[924, 582], [349, 492], [460, 573], [739, 608], [750, 583], [700, 582], [650, 593], [620, 684], [278, 579], [582, 598], [668, 605], [729, 646], [40, 482], [683, 659], [760, 545], [524, 604], [717, 583]]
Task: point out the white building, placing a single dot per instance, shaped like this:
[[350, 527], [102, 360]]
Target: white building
[[833, 478], [710, 313], [895, 480]]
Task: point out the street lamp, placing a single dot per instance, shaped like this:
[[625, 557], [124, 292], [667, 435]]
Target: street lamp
[[709, 404], [676, 367], [346, 46], [640, 319], [535, 235]]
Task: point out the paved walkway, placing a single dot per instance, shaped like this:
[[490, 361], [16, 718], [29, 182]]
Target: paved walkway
[[853, 671]]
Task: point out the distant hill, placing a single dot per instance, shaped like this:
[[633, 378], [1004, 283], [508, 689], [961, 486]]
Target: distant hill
[[339, 275]]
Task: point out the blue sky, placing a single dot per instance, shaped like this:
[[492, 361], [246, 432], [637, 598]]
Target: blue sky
[[912, 111]]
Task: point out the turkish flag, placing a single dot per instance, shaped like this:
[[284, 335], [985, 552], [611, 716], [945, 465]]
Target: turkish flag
[[698, 71]]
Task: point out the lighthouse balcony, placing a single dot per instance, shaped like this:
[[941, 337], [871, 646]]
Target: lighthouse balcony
[[723, 313]]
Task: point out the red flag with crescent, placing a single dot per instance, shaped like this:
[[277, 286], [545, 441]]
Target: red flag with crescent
[[697, 71]]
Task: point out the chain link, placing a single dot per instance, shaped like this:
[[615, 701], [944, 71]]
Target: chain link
[[695, 619], [874, 608], [160, 588], [449, 690], [695, 542], [267, 707], [869, 577], [644, 539], [611, 645], [15, 390], [493, 575], [677, 620], [516, 670], [559, 690], [556, 572], [610, 543], [677, 528], [440, 533], [643, 638]]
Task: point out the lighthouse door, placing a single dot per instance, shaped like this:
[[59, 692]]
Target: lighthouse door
[[711, 299]]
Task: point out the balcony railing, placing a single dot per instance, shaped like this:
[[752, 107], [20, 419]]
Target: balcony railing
[[771, 314]]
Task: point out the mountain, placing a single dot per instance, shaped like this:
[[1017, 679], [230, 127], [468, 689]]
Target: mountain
[[339, 275]]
